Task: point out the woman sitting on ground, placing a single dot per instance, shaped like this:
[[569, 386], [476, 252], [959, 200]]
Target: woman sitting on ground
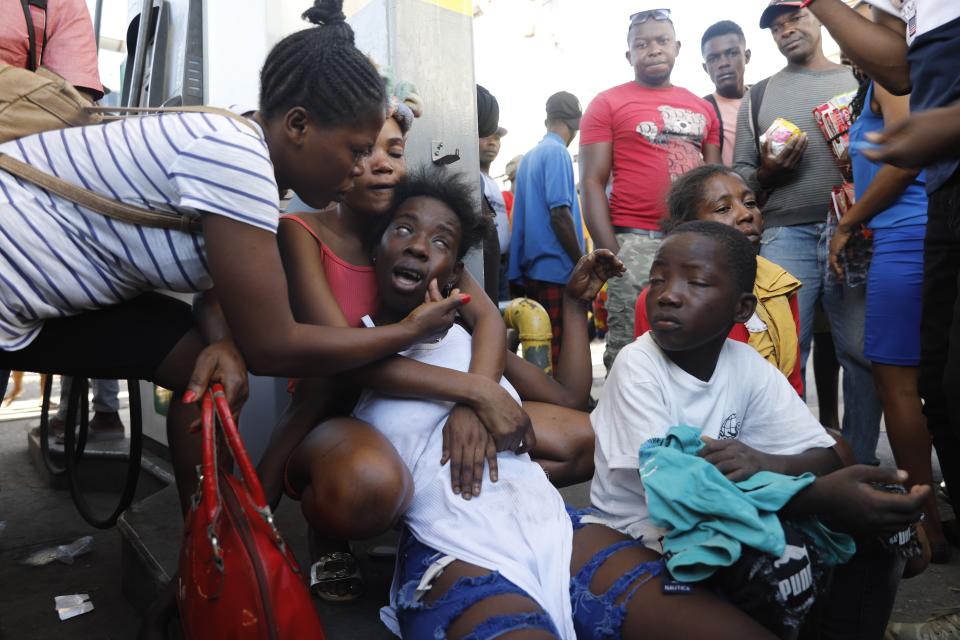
[[336, 286]]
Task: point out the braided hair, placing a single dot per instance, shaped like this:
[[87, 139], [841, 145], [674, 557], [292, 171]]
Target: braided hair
[[321, 70], [859, 101]]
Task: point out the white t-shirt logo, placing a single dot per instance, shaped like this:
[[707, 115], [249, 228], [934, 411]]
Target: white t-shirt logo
[[730, 427]]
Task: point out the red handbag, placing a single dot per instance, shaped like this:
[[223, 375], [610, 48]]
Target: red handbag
[[238, 579]]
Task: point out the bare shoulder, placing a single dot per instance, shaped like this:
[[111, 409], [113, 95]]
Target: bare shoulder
[[313, 223]]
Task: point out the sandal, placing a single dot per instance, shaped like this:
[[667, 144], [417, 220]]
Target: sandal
[[338, 568]]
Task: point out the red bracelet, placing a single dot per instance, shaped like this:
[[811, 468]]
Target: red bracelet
[[806, 3]]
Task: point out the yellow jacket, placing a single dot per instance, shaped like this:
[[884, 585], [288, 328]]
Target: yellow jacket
[[778, 341]]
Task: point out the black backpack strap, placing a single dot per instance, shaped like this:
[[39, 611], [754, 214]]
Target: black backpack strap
[[31, 36], [756, 99], [716, 109], [31, 32]]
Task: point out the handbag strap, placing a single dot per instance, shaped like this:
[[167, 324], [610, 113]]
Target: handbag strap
[[95, 202], [209, 482], [215, 405], [237, 450]]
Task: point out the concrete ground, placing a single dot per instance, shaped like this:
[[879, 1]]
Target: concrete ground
[[37, 516]]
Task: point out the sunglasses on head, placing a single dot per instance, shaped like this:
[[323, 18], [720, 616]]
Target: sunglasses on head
[[655, 14]]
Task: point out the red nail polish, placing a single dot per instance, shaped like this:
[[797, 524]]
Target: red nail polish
[[465, 298], [189, 397]]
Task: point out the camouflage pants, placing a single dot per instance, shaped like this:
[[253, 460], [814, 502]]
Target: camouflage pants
[[636, 251]]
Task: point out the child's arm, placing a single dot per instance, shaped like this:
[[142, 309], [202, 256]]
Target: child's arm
[[571, 388], [738, 461], [845, 500]]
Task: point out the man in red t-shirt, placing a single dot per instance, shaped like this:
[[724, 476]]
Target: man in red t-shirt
[[646, 133]]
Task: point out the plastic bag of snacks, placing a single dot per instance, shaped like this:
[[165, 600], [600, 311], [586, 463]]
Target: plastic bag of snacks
[[833, 118], [779, 134]]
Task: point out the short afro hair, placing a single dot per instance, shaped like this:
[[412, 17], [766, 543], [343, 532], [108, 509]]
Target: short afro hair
[[686, 193], [722, 28], [741, 255], [453, 190]]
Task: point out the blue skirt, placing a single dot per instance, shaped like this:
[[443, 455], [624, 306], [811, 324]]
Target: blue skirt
[[894, 288]]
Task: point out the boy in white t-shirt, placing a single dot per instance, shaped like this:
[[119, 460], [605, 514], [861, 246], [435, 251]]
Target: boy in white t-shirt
[[685, 371]]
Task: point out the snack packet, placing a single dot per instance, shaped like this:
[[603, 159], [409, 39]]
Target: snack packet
[[834, 119], [779, 134]]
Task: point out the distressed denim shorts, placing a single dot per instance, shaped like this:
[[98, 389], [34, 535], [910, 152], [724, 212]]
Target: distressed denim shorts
[[599, 616], [419, 567]]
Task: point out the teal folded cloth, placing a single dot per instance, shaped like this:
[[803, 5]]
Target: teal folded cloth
[[708, 518]]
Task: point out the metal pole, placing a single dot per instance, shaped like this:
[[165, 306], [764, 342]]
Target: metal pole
[[139, 58], [97, 15]]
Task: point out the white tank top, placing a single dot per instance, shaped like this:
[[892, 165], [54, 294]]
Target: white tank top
[[517, 526]]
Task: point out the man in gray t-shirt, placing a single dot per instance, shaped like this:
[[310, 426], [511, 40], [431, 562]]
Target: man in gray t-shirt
[[797, 183]]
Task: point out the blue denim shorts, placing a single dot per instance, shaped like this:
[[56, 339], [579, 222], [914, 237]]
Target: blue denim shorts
[[600, 617], [595, 616], [419, 565]]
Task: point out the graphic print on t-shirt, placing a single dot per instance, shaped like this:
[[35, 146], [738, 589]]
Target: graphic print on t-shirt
[[682, 137], [730, 427]]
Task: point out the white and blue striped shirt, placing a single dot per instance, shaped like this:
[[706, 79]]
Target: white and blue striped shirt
[[58, 259]]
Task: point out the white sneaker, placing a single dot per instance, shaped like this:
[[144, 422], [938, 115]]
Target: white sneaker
[[942, 627]]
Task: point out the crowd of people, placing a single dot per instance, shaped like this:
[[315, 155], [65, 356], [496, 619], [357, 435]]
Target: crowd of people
[[720, 506]]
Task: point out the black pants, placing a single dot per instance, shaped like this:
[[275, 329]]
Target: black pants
[[860, 599], [939, 380], [123, 341]]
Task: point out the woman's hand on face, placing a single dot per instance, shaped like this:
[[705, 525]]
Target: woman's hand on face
[[837, 243], [219, 362], [591, 272], [436, 315], [466, 444]]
